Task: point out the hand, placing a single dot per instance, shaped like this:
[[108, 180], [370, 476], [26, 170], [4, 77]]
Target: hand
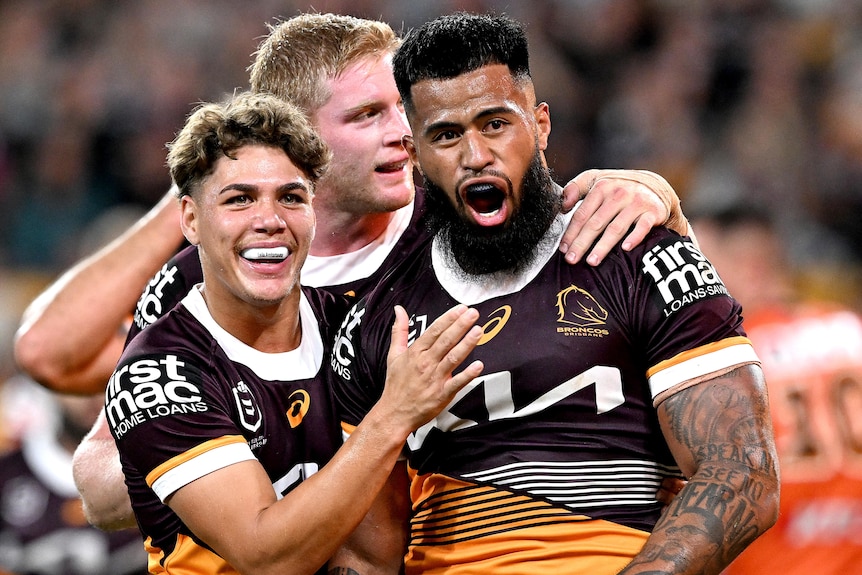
[[419, 380], [669, 488], [613, 200]]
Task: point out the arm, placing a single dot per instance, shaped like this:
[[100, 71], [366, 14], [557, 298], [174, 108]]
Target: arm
[[614, 200], [71, 335], [378, 544], [99, 479], [297, 534], [720, 433]]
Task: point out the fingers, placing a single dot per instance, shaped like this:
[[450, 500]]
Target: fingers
[[457, 338], [577, 188], [617, 200], [400, 330], [420, 380], [449, 339], [578, 236], [670, 487]]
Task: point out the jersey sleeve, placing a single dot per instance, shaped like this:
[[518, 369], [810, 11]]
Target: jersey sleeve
[[690, 324], [358, 385], [166, 289], [169, 421]]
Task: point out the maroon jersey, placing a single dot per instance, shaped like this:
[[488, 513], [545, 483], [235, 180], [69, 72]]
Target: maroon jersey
[[188, 398], [352, 274], [42, 526], [551, 460]]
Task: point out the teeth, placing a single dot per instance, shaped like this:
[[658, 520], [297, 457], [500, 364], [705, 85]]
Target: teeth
[[480, 189], [265, 253]]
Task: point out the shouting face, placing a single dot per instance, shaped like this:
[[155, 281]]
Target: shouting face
[[479, 141]]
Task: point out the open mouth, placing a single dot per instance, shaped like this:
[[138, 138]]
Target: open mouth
[[391, 167], [484, 199], [265, 254]]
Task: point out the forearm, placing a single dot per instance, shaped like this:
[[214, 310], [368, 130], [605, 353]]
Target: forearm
[[715, 516], [720, 434], [377, 546], [99, 478], [71, 335], [300, 532]]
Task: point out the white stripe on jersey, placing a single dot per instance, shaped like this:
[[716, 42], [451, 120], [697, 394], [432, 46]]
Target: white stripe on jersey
[[195, 468], [582, 484], [702, 365]]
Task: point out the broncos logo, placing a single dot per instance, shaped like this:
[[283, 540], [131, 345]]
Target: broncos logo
[[578, 303]]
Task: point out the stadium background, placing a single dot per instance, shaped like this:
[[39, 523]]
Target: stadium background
[[729, 99]]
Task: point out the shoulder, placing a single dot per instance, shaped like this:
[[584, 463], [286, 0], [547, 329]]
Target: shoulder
[[329, 307], [167, 287]]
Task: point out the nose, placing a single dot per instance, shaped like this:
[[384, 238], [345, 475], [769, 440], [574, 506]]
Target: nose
[[397, 127], [475, 152], [267, 217]]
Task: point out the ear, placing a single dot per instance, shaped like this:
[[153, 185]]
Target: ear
[[189, 219], [410, 146], [543, 124]]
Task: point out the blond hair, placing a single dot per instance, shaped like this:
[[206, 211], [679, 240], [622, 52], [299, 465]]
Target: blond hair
[[299, 55]]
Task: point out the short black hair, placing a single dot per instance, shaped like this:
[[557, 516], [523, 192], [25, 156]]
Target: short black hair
[[457, 43]]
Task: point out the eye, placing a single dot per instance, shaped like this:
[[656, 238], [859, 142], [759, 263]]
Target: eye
[[445, 136], [366, 114], [294, 198], [238, 200], [495, 125]]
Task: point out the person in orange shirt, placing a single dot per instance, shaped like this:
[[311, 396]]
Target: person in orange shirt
[[811, 353]]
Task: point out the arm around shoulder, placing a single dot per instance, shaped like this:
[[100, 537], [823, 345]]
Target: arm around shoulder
[[72, 334]]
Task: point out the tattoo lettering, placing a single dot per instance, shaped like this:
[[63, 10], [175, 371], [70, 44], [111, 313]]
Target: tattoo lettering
[[721, 434]]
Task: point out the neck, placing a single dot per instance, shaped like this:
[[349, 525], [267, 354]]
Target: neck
[[270, 329], [341, 232]]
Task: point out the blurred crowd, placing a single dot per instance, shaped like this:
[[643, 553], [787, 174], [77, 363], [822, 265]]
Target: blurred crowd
[[729, 99], [726, 98]]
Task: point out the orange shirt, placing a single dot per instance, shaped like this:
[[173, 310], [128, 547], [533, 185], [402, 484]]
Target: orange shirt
[[812, 360]]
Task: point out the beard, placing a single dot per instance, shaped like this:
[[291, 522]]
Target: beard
[[480, 250]]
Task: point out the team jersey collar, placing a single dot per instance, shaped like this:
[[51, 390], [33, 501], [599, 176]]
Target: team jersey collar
[[301, 363]]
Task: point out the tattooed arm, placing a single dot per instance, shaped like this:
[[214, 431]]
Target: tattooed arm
[[721, 435]]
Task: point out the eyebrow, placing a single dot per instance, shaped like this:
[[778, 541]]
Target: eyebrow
[[445, 125], [240, 187]]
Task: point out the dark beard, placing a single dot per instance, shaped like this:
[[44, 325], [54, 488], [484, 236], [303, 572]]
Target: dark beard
[[479, 250]]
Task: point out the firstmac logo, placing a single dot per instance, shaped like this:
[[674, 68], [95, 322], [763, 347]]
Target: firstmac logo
[[149, 388], [681, 273]]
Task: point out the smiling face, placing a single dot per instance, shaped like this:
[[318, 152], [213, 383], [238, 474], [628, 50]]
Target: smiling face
[[253, 220], [479, 141], [363, 122]]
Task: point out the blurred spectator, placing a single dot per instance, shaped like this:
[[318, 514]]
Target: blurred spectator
[[727, 98], [42, 525], [812, 360]]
